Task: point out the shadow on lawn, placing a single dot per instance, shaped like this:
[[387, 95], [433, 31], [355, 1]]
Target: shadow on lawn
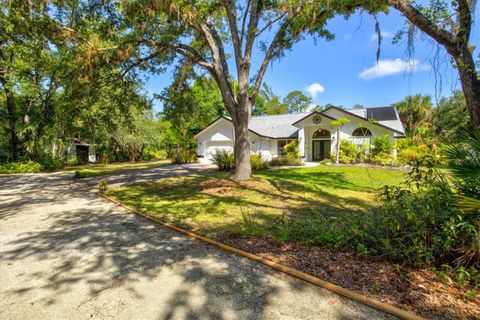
[[215, 205]]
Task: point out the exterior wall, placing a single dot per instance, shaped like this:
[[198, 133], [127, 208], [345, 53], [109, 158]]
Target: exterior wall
[[301, 142], [345, 131], [222, 134], [266, 147], [222, 131]]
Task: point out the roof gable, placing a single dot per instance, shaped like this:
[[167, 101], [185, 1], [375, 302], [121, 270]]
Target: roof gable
[[392, 125]]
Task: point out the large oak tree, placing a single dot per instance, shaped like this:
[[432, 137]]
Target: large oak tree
[[203, 32], [449, 23]]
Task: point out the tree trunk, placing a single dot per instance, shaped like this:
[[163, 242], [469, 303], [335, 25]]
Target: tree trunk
[[12, 125], [243, 169], [337, 155], [470, 84]]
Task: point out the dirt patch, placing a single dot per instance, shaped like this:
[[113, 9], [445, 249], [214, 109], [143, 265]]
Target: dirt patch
[[223, 187], [418, 290], [228, 187]]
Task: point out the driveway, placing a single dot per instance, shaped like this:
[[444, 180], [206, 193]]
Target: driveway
[[66, 253]]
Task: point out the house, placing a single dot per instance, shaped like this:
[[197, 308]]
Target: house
[[314, 132]]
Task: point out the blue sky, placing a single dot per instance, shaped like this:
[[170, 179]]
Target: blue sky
[[345, 72]]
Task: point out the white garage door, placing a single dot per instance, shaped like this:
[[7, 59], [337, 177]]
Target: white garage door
[[214, 145]]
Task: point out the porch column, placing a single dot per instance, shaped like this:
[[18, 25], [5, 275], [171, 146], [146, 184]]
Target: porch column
[[301, 141]]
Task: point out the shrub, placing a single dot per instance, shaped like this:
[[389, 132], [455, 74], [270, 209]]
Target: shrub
[[382, 146], [418, 221], [411, 152], [257, 162], [181, 156], [383, 160], [293, 151], [151, 153], [51, 164], [224, 159], [102, 185], [279, 161], [349, 152], [381, 152], [21, 167]]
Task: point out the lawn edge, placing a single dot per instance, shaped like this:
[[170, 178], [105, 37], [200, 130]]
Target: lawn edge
[[387, 308]]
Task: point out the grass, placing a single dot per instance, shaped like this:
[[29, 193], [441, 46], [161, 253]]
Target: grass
[[91, 170], [321, 205]]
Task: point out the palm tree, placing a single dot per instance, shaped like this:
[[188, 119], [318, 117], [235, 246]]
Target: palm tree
[[338, 123], [465, 166], [415, 113]]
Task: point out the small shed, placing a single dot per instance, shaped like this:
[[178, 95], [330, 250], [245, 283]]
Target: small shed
[[82, 150]]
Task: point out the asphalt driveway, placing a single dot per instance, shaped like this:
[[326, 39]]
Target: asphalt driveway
[[66, 253]]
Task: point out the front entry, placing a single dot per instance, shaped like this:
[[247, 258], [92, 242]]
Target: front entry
[[321, 150]]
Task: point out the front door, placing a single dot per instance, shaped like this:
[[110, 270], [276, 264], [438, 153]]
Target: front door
[[321, 150]]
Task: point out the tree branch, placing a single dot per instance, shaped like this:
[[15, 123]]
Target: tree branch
[[464, 20], [232, 21], [269, 24], [251, 31], [442, 36], [244, 21]]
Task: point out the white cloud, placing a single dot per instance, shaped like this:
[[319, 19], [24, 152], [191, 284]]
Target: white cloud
[[389, 67], [314, 89], [385, 34]]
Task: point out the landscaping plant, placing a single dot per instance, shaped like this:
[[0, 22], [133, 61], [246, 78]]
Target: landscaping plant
[[257, 162], [224, 159], [102, 185]]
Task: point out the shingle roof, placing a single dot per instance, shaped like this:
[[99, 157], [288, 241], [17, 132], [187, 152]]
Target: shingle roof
[[385, 116], [282, 126], [278, 126]]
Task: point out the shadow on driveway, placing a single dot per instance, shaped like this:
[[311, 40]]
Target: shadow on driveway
[[66, 253]]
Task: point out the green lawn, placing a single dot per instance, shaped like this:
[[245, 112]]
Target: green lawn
[[319, 205], [91, 170]]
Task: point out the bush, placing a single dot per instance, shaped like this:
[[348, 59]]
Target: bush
[[51, 164], [181, 156], [349, 152], [224, 159], [151, 153], [418, 221], [382, 146], [410, 152], [381, 153], [279, 161], [293, 153], [383, 160], [257, 162], [102, 185], [21, 167]]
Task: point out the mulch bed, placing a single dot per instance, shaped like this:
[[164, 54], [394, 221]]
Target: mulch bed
[[417, 290]]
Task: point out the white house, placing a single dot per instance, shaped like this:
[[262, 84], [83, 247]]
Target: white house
[[314, 132]]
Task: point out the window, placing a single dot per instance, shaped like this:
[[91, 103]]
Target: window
[[362, 137], [321, 133], [281, 144], [361, 132]]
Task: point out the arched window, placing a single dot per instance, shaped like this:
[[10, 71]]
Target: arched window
[[321, 133], [361, 132]]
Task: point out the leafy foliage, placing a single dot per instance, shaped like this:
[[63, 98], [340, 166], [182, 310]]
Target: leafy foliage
[[224, 159], [465, 164], [21, 167], [258, 162], [292, 151]]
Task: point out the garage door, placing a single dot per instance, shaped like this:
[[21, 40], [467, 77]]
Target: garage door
[[220, 145]]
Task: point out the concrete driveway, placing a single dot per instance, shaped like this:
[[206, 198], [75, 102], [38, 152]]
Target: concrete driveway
[[66, 253]]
